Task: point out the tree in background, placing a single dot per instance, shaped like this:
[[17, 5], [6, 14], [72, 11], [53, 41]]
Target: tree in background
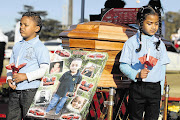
[[50, 30], [172, 23], [28, 8], [10, 35]]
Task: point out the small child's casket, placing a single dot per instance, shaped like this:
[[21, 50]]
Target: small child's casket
[[101, 37]]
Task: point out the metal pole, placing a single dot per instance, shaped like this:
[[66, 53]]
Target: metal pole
[[82, 10], [111, 103], [166, 102], [70, 15]]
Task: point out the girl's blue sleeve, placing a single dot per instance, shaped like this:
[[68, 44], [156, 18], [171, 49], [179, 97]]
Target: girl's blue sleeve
[[127, 70], [163, 80]]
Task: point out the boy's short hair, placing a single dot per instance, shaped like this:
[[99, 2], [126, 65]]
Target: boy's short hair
[[36, 17], [78, 59]]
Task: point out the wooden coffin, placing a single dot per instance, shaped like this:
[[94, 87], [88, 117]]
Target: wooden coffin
[[101, 37]]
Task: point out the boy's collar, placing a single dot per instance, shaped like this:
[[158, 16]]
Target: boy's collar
[[32, 41], [77, 74]]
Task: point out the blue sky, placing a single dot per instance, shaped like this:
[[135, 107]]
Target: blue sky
[[57, 9]]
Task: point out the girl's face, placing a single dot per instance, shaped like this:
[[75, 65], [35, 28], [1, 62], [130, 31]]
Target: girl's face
[[28, 28], [56, 65], [150, 24]]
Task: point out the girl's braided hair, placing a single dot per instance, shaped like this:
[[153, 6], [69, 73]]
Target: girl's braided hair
[[153, 8]]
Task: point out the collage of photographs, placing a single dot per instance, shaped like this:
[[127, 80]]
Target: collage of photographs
[[67, 88]]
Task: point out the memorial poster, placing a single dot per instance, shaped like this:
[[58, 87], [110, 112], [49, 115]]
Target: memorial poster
[[67, 89]]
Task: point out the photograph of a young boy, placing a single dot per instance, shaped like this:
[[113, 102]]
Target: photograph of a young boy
[[68, 81]]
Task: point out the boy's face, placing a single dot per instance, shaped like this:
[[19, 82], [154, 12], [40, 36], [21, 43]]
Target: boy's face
[[28, 28], [75, 65], [77, 103], [151, 24]]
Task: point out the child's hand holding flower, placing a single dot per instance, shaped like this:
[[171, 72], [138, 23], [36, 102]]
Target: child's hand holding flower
[[18, 77]]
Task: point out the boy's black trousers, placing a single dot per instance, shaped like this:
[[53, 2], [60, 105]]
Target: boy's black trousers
[[19, 103], [144, 97]]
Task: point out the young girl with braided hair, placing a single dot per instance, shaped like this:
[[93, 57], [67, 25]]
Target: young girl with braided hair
[[147, 83]]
